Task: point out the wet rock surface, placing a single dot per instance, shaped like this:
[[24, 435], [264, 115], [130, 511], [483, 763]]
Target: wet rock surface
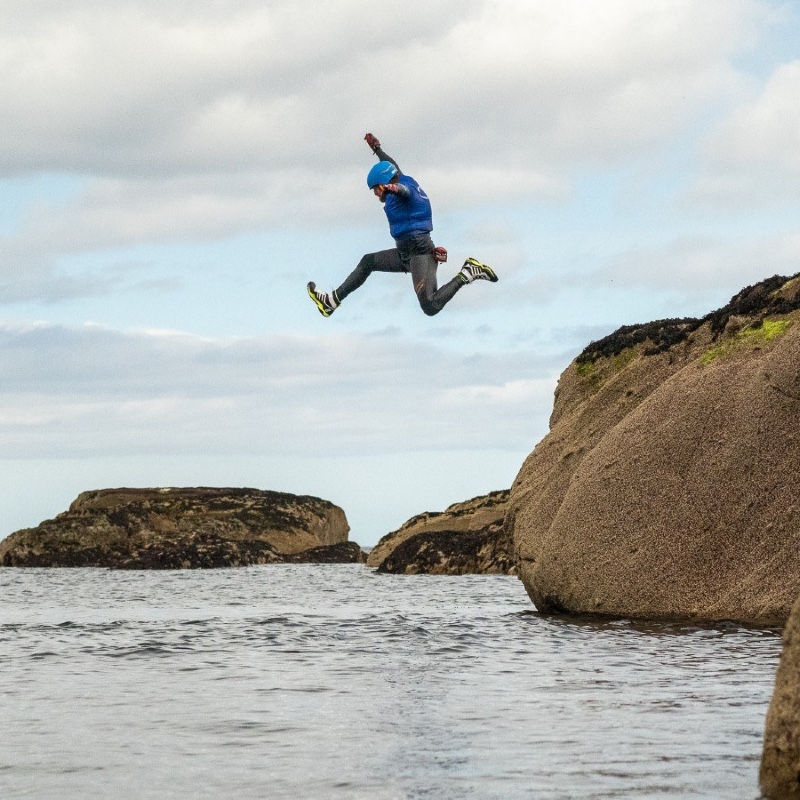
[[181, 528], [466, 538], [780, 761], [452, 553], [342, 553], [667, 485]]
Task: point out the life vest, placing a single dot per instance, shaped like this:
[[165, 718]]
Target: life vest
[[411, 215]]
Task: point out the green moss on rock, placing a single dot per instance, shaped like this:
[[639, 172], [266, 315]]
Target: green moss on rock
[[753, 337], [775, 296]]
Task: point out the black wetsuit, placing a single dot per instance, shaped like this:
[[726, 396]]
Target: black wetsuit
[[413, 253]]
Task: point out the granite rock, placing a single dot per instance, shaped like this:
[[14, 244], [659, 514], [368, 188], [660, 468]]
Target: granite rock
[[780, 760], [667, 486]]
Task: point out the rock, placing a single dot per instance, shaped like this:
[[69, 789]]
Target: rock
[[342, 553], [452, 553], [467, 537], [780, 760], [667, 485], [177, 529]]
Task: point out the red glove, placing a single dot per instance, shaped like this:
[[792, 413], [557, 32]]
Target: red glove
[[372, 141]]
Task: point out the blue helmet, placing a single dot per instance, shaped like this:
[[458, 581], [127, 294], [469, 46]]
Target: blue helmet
[[381, 173]]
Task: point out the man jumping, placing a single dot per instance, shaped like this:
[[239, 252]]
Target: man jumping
[[408, 210]]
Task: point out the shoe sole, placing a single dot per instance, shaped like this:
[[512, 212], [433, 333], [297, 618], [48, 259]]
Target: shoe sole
[[322, 309]]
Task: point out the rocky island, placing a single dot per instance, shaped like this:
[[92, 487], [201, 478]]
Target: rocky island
[[466, 537], [669, 483], [174, 528]]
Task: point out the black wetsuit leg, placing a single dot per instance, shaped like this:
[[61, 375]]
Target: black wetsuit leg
[[382, 261], [418, 252], [413, 254]]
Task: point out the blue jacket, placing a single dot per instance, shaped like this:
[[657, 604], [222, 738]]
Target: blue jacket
[[409, 210]]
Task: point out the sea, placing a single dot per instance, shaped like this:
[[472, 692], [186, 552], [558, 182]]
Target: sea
[[335, 681]]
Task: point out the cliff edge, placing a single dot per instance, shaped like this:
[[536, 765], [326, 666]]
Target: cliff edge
[[667, 486]]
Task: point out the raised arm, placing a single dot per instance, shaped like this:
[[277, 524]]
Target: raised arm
[[375, 145]]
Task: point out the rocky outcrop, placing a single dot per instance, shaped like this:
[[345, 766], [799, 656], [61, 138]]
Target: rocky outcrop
[[342, 553], [667, 486], [466, 538], [182, 528], [452, 553], [780, 760]]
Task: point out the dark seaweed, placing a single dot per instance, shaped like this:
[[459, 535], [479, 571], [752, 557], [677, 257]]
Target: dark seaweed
[[756, 302]]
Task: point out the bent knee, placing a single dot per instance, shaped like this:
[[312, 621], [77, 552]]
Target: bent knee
[[367, 262], [429, 308]]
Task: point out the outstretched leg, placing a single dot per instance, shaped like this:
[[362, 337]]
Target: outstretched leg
[[382, 261], [418, 253], [414, 255]]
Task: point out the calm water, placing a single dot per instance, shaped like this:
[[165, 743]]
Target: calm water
[[298, 681]]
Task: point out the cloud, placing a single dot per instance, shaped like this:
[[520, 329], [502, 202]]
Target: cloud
[[142, 89], [686, 264], [753, 156], [146, 88], [201, 121], [94, 391]]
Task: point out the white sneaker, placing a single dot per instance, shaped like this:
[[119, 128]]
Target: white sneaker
[[473, 270], [325, 302]]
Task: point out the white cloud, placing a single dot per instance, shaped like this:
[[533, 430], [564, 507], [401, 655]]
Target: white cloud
[[167, 89], [196, 121], [94, 391], [147, 88], [753, 157], [702, 263], [766, 131], [522, 397]]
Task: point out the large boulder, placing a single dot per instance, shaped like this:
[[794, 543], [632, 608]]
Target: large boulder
[[173, 528], [780, 760], [466, 537], [668, 484]]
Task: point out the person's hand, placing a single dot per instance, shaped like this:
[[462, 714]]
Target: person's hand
[[372, 141], [382, 189]]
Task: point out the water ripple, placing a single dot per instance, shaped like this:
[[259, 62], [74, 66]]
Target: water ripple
[[333, 681]]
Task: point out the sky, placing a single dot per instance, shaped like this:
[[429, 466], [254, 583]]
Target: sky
[[173, 174]]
